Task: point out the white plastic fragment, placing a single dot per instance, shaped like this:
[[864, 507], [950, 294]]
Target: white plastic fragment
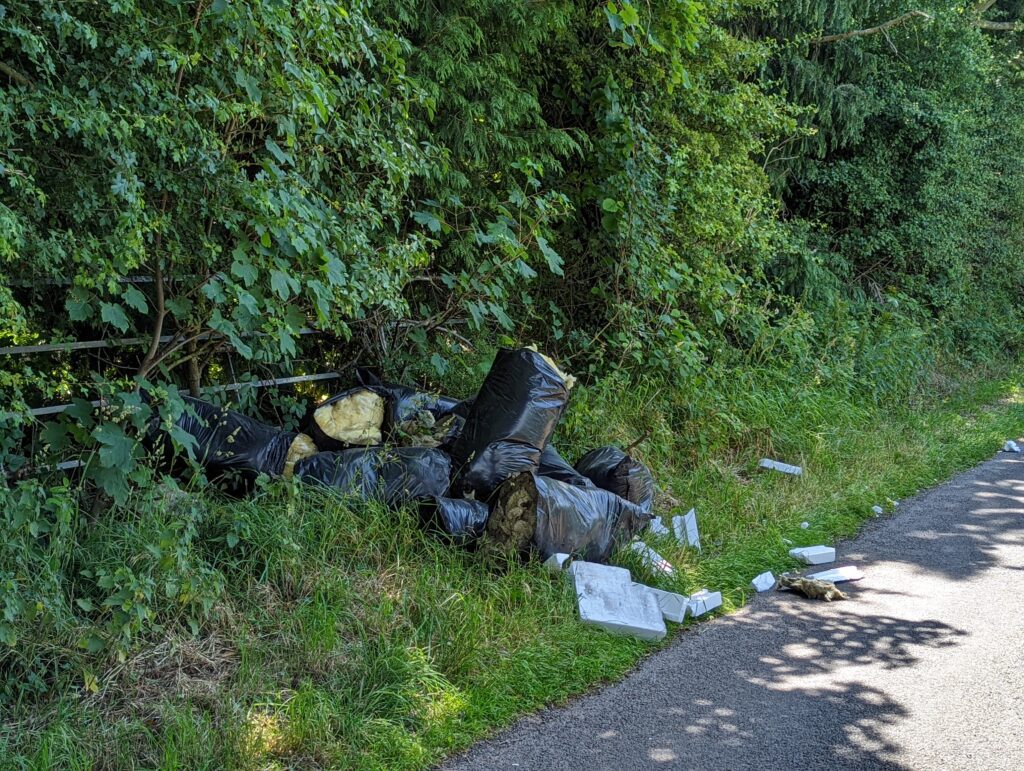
[[673, 606], [837, 575], [651, 558], [804, 525], [784, 468], [704, 602], [763, 582], [607, 598], [556, 562], [1011, 446], [685, 528], [814, 555], [658, 527], [877, 509]]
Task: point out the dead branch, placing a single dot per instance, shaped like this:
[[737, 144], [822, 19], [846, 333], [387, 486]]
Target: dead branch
[[871, 30]]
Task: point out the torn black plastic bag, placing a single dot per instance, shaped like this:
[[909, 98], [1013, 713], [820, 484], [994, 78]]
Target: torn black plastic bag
[[562, 518], [230, 443], [511, 420], [612, 469], [461, 520], [414, 417], [554, 466], [394, 475]]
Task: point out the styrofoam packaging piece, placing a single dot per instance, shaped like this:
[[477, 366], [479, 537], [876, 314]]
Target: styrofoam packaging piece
[[704, 602], [651, 558], [673, 606], [1011, 446], [837, 575], [776, 465], [658, 527], [685, 529], [763, 582], [556, 562], [804, 525], [608, 599], [814, 555]]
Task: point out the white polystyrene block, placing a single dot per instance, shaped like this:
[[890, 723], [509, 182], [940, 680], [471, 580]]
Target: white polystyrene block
[[608, 599], [837, 575], [785, 468], [673, 606], [651, 558], [814, 555], [877, 509], [1011, 446], [804, 525], [685, 529], [704, 602], [556, 562], [763, 582], [658, 528]]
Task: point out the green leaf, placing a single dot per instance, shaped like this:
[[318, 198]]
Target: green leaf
[[554, 259], [84, 604], [428, 219], [629, 15], [281, 284], [243, 269], [114, 315], [135, 299], [115, 446], [282, 157]]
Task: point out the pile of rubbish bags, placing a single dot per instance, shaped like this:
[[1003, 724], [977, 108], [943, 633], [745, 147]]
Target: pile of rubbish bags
[[472, 467]]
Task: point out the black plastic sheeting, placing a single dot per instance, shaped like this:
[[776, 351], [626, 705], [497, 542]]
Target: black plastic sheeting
[[587, 522], [510, 422], [228, 443], [613, 470], [394, 475], [462, 520]]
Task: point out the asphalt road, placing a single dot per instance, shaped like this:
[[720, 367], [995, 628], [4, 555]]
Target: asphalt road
[[922, 669]]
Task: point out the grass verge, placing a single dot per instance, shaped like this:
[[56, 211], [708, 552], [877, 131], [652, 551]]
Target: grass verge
[[345, 637]]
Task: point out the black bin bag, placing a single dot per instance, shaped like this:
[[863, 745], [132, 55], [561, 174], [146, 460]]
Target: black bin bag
[[557, 517], [393, 475], [416, 417], [510, 421], [459, 520], [228, 443], [612, 469], [554, 466]]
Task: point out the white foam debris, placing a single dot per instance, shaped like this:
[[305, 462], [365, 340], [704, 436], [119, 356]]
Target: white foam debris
[[658, 527], [804, 525], [878, 509], [685, 529], [763, 582], [814, 555], [838, 575], [779, 466], [704, 602], [651, 558], [1011, 446], [608, 599], [673, 606], [556, 562]]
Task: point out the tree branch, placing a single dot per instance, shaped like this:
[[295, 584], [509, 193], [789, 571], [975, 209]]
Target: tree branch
[[16, 76], [999, 26], [871, 30]]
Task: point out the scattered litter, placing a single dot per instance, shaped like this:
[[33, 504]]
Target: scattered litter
[[651, 558], [658, 528], [836, 575], [763, 582], [608, 599], [814, 555], [809, 587], [704, 602], [787, 542], [556, 562], [674, 607], [804, 525], [779, 466], [1011, 446], [685, 528], [878, 510]]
